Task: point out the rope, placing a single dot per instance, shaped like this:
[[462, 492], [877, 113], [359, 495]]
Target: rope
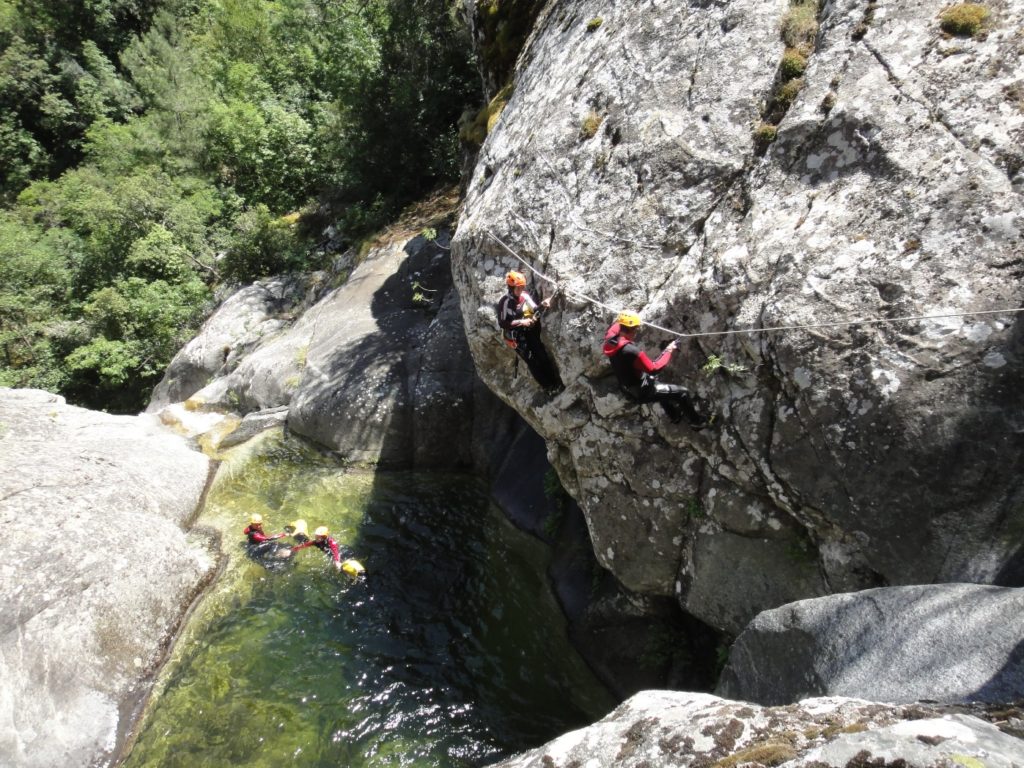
[[802, 327]]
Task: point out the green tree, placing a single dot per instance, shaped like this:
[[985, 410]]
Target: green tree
[[34, 282], [136, 326]]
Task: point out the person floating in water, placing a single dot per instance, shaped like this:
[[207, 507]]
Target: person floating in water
[[519, 318], [637, 373], [322, 540], [261, 546]]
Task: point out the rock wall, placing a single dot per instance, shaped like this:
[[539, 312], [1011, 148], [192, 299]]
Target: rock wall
[[625, 165], [96, 571]]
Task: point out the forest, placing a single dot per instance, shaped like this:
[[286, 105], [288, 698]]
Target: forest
[[154, 153]]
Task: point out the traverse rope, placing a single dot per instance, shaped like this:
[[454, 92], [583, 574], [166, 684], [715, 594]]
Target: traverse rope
[[806, 326]]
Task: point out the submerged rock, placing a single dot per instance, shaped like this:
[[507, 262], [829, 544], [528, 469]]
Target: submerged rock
[[941, 642], [96, 570], [663, 728]]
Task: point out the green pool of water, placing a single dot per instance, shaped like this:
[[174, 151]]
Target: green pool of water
[[452, 652]]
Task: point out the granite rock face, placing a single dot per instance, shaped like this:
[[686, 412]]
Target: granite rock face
[[96, 570], [368, 359], [667, 728], [941, 642], [625, 167]]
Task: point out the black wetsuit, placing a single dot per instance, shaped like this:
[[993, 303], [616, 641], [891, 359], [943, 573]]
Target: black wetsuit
[[526, 339], [637, 377]]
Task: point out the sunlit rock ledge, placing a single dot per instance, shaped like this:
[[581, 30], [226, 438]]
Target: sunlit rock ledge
[[96, 569], [682, 730]]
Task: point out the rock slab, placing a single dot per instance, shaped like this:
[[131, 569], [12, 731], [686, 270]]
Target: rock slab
[[678, 730], [96, 570], [942, 642]]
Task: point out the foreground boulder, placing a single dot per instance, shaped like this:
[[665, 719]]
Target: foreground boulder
[[96, 570], [944, 642], [628, 165], [663, 728]]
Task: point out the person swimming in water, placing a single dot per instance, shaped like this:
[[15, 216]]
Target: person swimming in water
[[323, 541], [261, 546]]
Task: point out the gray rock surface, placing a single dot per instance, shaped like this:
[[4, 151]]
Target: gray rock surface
[[243, 322], [95, 568], [664, 728], [882, 454], [943, 642], [362, 368]]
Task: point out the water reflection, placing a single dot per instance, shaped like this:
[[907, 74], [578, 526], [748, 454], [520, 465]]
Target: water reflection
[[451, 652]]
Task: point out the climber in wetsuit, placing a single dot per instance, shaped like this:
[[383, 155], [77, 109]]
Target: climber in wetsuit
[[322, 540], [637, 373], [258, 544], [519, 318]]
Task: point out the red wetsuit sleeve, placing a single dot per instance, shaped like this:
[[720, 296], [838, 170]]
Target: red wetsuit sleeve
[[303, 545], [334, 550], [256, 536], [644, 364]]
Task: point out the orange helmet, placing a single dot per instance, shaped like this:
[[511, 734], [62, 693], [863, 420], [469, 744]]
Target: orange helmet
[[515, 279]]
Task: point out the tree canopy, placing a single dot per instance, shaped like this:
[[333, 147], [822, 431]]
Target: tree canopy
[[152, 149]]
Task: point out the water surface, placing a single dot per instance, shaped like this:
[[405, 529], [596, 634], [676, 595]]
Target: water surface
[[452, 652]]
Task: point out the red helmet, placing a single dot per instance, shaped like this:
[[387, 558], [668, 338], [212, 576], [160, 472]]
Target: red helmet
[[515, 279]]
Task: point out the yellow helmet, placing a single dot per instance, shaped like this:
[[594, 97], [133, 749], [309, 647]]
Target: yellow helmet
[[256, 519], [321, 531], [514, 278], [629, 320], [353, 568]]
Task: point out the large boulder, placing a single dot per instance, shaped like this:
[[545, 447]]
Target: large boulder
[[368, 360], [96, 569], [663, 728], [943, 642], [388, 379], [625, 166]]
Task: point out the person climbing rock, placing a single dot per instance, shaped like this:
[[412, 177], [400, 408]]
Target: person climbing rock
[[637, 373], [519, 318], [322, 540], [261, 546]]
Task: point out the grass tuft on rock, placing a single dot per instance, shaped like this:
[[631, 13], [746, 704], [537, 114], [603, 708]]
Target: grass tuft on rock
[[793, 64], [800, 24], [590, 126], [964, 19]]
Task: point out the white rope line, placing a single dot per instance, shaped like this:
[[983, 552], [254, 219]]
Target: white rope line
[[807, 326]]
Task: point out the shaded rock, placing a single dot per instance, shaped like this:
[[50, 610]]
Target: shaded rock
[[733, 575], [389, 380], [662, 728], [376, 368], [624, 166], [96, 569], [944, 642]]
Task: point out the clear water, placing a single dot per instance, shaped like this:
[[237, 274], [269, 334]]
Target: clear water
[[452, 652]]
